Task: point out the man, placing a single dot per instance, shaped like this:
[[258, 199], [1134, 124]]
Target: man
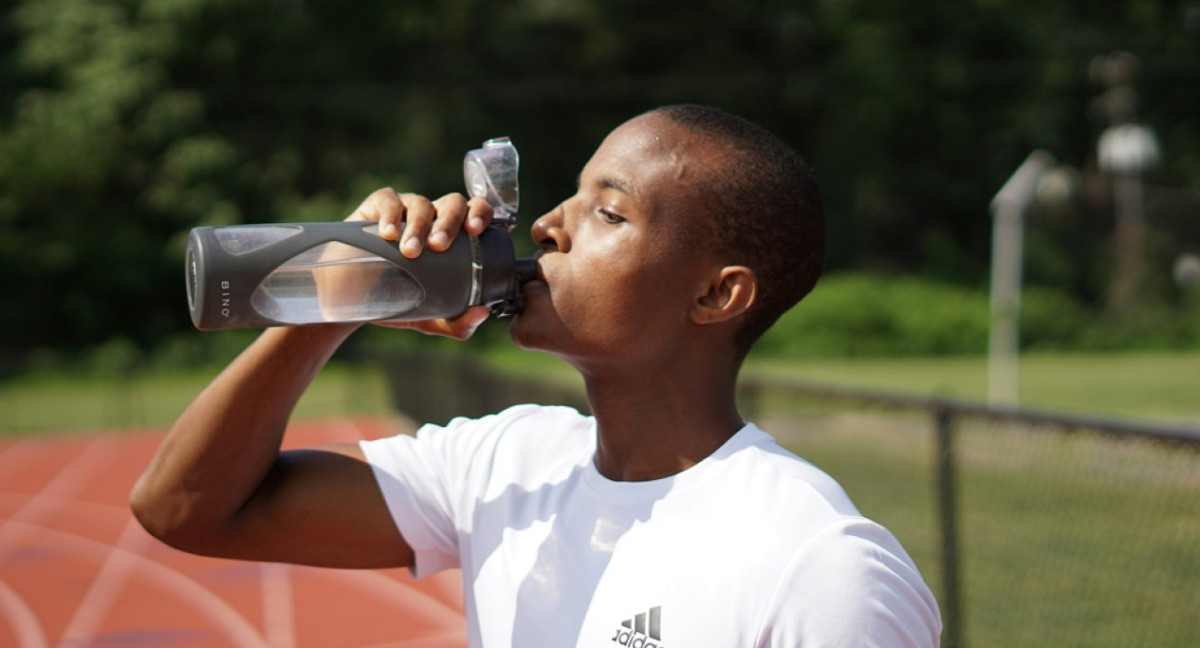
[[663, 521]]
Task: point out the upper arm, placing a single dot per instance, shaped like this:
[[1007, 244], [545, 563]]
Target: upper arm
[[317, 506]]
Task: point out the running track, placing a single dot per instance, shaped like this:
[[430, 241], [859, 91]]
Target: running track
[[77, 570]]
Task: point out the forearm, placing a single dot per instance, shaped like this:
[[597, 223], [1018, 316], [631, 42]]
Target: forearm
[[219, 484], [217, 455]]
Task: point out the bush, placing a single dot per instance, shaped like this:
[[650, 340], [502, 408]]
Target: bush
[[868, 315], [1051, 320], [871, 315]]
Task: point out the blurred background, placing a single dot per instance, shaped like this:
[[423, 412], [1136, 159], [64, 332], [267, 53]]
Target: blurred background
[[123, 124]]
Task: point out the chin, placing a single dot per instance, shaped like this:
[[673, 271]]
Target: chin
[[530, 334], [527, 329], [523, 333]]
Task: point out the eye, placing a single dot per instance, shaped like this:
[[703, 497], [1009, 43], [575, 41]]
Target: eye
[[611, 218]]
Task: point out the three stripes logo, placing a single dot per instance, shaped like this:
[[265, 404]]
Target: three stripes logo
[[642, 631]]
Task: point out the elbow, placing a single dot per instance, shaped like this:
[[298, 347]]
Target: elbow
[[152, 511], [167, 517]]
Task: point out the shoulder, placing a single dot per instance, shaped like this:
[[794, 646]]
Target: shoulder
[[855, 582], [520, 420], [791, 481], [858, 588], [520, 436], [537, 425]]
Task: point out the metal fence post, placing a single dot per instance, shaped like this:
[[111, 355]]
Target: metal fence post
[[952, 619]]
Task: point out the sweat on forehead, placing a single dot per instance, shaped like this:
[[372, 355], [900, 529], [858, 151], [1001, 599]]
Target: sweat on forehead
[[663, 134], [689, 156]]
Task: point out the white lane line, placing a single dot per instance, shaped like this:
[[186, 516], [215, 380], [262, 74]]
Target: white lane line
[[71, 478], [383, 587], [22, 619], [104, 591], [37, 508], [225, 619], [67, 506], [279, 617]]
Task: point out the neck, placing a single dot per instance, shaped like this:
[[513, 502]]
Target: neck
[[653, 424]]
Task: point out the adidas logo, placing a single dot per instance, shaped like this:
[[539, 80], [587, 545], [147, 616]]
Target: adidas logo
[[642, 631]]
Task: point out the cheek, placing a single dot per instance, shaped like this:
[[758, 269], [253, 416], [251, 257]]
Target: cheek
[[608, 298], [623, 308]]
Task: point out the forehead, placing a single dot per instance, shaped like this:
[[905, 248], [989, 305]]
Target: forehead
[[652, 159]]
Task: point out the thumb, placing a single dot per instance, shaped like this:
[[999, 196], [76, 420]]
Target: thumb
[[464, 326]]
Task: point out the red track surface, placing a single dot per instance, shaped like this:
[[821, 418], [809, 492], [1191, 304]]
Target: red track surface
[[77, 570]]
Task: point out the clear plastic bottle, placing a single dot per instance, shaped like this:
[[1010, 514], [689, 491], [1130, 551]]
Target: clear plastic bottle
[[255, 276]]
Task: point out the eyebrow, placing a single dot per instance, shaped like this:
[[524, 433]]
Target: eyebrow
[[608, 182]]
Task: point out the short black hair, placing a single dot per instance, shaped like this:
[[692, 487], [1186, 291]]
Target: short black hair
[[767, 212]]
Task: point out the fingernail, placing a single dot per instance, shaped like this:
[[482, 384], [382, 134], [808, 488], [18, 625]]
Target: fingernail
[[476, 223], [439, 239], [411, 245], [387, 230]]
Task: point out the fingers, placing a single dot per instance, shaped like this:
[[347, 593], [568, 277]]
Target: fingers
[[449, 213], [479, 215], [406, 218], [418, 223], [439, 222], [459, 328], [385, 207], [419, 214]]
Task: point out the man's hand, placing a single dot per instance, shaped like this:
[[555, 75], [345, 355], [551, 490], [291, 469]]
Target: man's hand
[[417, 223]]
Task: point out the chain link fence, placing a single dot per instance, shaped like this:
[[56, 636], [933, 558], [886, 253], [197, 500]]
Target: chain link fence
[[1034, 529]]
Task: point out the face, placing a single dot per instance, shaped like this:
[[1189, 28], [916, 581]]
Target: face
[[617, 277]]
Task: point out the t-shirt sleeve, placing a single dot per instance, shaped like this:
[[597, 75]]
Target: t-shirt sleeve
[[852, 585], [427, 481]]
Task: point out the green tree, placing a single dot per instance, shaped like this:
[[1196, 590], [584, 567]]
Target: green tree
[[123, 123]]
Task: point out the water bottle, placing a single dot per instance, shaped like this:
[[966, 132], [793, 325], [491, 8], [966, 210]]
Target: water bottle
[[293, 274]]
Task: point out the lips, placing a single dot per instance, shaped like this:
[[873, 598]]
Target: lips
[[540, 275]]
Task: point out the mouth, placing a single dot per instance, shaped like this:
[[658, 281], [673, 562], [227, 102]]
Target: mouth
[[536, 273], [535, 283]]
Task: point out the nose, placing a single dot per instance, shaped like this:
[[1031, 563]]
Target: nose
[[549, 233]]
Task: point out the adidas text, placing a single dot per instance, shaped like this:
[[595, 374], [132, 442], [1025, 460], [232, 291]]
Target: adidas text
[[633, 639]]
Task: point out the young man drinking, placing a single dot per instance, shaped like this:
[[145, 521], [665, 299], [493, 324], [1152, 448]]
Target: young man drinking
[[663, 519]]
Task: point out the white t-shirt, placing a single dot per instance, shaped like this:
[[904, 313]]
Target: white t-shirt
[[751, 547]]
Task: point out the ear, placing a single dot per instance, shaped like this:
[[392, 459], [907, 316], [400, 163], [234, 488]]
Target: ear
[[726, 294]]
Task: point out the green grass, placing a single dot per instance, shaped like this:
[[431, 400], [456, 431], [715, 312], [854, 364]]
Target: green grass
[[64, 403], [1065, 539], [1153, 385], [1162, 385], [1135, 385]]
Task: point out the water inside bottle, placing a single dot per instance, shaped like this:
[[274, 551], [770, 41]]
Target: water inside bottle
[[336, 282]]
